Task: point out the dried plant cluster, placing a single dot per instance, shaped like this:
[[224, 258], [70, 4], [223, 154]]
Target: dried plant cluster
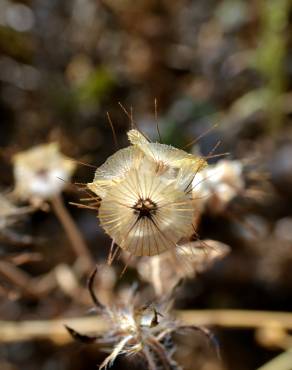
[[150, 198], [140, 331]]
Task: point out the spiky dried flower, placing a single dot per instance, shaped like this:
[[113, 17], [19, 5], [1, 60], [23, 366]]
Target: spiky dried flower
[[143, 331], [41, 172], [146, 195]]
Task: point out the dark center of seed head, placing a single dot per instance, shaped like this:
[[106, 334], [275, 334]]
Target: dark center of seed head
[[42, 172], [145, 208]]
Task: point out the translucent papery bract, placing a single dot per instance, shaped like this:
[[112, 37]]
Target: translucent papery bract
[[115, 169], [146, 235], [166, 155], [136, 138], [220, 182], [165, 271]]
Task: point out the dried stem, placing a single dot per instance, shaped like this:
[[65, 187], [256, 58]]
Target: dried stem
[[281, 362], [19, 278], [242, 319], [77, 242], [28, 286], [11, 331]]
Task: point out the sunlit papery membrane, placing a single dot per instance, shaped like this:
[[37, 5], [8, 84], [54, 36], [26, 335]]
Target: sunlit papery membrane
[[41, 172], [146, 214], [115, 169], [166, 156], [165, 271], [222, 181]]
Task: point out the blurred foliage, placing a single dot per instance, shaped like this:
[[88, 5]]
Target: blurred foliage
[[270, 57], [98, 84]]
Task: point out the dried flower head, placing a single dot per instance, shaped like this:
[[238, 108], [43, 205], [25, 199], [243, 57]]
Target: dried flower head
[[146, 195], [41, 172], [146, 215], [164, 271], [143, 332], [218, 184]]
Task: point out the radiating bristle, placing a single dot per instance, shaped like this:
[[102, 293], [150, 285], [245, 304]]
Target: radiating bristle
[[115, 169], [143, 231]]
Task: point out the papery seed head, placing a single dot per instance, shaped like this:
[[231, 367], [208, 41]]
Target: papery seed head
[[147, 204], [146, 214]]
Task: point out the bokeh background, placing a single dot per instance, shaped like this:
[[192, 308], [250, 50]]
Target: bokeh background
[[65, 64]]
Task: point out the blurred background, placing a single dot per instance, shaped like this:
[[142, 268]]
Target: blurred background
[[65, 64]]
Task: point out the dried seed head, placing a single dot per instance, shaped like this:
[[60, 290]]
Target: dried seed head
[[146, 195], [145, 214], [41, 172]]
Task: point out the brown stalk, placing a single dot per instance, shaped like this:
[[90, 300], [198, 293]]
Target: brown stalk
[[19, 278], [14, 331], [77, 242]]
